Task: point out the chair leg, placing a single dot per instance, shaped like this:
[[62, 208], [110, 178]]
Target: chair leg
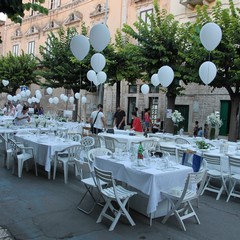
[[36, 169], [20, 168], [229, 195], [103, 212], [65, 172], [88, 191], [54, 169], [8, 160]]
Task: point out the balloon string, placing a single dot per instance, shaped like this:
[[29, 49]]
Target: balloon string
[[209, 56]]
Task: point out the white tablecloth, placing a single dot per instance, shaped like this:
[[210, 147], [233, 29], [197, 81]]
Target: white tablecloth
[[124, 138], [149, 181], [44, 147]]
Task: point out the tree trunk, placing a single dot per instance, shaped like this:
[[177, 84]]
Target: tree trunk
[[170, 105], [233, 129], [118, 93]]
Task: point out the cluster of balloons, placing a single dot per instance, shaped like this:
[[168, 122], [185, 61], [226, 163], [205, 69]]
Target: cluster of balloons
[[80, 45], [164, 77], [64, 98], [210, 36]]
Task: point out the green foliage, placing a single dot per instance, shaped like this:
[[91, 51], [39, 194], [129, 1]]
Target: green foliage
[[19, 70], [15, 8], [160, 41]]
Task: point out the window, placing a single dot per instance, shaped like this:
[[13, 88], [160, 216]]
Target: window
[[132, 89], [53, 4], [144, 15], [15, 49], [31, 10], [153, 89], [18, 33], [31, 47]]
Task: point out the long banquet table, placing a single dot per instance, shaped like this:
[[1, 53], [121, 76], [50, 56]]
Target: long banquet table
[[44, 146], [148, 180]]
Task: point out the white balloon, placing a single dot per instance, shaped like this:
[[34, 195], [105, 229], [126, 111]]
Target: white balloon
[[37, 100], [38, 95], [165, 75], [50, 100], [71, 100], [15, 98], [55, 100], [101, 77], [65, 99], [84, 99], [9, 97], [154, 80], [207, 72], [23, 94], [33, 99], [49, 90], [37, 91], [145, 89], [29, 101], [28, 93], [210, 36], [98, 62], [95, 81], [19, 96], [62, 96], [91, 75], [77, 95], [99, 37], [5, 82], [80, 46]]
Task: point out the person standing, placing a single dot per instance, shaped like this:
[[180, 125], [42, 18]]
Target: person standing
[[147, 120], [195, 130], [205, 130], [9, 109], [156, 126], [97, 120], [119, 118], [137, 126]]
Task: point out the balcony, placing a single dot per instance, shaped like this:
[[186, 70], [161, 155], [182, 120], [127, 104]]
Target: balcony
[[192, 3]]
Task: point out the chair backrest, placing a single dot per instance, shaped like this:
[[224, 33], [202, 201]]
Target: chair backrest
[[105, 176], [180, 140], [98, 140], [87, 142], [180, 153], [170, 150], [234, 162], [73, 152], [194, 179], [92, 153], [213, 160], [109, 143], [75, 137]]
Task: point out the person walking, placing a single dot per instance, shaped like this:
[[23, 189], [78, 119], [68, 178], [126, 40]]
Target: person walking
[[147, 120], [119, 118], [97, 120]]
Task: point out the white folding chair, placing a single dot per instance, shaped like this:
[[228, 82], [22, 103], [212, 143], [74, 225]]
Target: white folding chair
[[114, 193], [180, 198], [114, 145], [67, 157], [6, 151], [87, 178], [234, 163], [87, 142], [21, 155], [215, 172], [171, 150]]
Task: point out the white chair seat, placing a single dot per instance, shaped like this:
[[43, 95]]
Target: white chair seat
[[236, 177], [122, 192], [216, 173]]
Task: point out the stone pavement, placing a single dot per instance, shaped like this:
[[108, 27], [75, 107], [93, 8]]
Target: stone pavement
[[41, 209]]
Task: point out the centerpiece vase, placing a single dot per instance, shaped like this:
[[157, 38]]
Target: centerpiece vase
[[212, 133], [175, 129]]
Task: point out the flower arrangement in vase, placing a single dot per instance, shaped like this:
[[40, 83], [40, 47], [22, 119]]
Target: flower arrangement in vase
[[202, 145], [176, 118], [215, 122]]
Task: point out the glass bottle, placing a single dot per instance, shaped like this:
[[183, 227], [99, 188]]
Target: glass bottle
[[140, 151]]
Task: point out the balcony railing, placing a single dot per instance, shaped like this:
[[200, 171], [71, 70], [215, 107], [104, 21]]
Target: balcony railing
[[193, 3]]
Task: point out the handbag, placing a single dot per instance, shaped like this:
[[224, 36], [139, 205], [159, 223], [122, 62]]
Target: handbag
[[94, 122]]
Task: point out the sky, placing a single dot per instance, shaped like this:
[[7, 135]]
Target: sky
[[2, 16]]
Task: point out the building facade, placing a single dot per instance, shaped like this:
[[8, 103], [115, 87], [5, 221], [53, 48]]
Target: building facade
[[197, 101]]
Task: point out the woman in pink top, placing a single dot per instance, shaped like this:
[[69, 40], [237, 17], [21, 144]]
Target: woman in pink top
[[147, 120]]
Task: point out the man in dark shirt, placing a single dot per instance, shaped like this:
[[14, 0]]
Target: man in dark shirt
[[119, 118]]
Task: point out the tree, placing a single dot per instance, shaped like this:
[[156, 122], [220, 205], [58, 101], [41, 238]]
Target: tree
[[159, 41], [122, 65], [18, 70], [226, 56], [15, 8], [61, 69]]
